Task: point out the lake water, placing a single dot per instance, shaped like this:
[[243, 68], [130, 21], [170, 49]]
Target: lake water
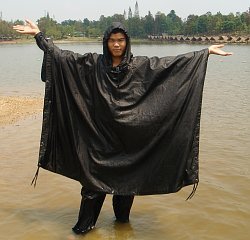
[[220, 208]]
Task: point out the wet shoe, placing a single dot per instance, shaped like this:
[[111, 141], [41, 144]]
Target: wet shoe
[[78, 230]]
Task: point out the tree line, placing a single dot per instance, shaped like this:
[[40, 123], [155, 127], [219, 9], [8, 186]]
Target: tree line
[[141, 27]]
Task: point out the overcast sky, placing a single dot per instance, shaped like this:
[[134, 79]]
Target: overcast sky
[[93, 9]]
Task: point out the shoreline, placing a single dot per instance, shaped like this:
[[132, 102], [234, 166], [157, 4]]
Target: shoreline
[[71, 40], [15, 108]]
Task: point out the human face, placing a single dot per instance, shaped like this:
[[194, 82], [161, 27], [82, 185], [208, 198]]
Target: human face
[[117, 45]]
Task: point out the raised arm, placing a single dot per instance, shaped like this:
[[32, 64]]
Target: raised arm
[[29, 28], [216, 49], [32, 29]]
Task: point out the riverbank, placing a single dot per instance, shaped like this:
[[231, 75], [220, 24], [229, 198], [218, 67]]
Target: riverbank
[[15, 108], [66, 40]]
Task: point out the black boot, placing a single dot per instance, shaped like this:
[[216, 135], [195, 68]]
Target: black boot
[[90, 208], [122, 206]]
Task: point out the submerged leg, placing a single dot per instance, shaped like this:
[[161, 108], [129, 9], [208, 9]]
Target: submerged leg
[[122, 206], [90, 208]]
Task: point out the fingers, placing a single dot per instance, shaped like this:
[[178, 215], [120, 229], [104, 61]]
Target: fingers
[[217, 46], [216, 49], [222, 53], [18, 28], [21, 29], [29, 22]]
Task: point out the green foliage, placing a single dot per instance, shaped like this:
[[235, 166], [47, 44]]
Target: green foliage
[[174, 24], [141, 27], [6, 29], [50, 27], [148, 23]]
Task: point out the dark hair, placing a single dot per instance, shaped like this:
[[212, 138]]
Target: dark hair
[[118, 30]]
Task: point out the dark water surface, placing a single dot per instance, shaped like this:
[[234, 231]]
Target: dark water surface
[[219, 210]]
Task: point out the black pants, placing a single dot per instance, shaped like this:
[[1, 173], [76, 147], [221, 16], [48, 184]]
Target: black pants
[[91, 205]]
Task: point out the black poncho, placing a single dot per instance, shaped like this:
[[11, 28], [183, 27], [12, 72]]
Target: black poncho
[[129, 130]]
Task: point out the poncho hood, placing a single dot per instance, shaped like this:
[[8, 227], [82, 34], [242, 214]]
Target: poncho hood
[[107, 59]]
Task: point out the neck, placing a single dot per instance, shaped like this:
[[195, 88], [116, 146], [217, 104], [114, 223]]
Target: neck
[[116, 61]]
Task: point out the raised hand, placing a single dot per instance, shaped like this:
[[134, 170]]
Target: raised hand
[[29, 28], [216, 49]]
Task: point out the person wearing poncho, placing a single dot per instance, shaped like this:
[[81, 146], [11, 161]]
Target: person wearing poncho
[[120, 124]]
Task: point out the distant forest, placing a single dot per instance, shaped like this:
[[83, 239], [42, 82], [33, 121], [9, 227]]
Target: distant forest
[[141, 27]]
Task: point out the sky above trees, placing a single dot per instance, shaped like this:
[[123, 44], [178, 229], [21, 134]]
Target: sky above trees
[[80, 9]]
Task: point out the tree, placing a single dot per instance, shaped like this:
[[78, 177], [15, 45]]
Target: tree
[[50, 27], [160, 23], [190, 26], [118, 18], [5, 29], [174, 24], [245, 19], [211, 23], [228, 26], [218, 22], [149, 24], [135, 27], [206, 24], [202, 24]]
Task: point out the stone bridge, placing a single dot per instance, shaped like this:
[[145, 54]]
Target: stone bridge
[[208, 39]]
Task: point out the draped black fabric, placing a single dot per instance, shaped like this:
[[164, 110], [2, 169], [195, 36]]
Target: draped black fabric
[[133, 135]]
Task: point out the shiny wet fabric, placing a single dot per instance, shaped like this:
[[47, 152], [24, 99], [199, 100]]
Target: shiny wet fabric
[[132, 135]]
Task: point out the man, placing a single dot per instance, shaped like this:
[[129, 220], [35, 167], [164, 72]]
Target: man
[[120, 124]]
